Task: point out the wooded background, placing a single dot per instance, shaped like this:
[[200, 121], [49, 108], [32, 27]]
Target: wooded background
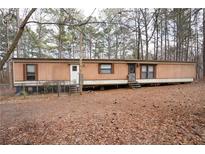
[[145, 34]]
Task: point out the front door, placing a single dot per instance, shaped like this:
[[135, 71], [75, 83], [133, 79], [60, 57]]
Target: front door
[[74, 74], [131, 73]]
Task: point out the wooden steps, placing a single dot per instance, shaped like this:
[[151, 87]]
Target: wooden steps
[[74, 88], [134, 85]]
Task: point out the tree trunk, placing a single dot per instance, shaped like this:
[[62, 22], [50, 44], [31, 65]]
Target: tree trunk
[[178, 36], [175, 48], [81, 64], [123, 47], [61, 32], [142, 50], [161, 39], [39, 38], [165, 36], [146, 41], [189, 35], [90, 46], [116, 46], [157, 40], [109, 47], [168, 46], [16, 39], [204, 43], [179, 33], [17, 25], [136, 53], [144, 14], [197, 48], [139, 38]]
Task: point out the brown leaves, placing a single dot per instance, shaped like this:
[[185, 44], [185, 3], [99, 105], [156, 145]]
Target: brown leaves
[[156, 115]]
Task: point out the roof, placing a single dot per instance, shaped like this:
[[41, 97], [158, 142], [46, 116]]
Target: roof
[[50, 60]]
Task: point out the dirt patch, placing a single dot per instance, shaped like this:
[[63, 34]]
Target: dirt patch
[[149, 115], [6, 90]]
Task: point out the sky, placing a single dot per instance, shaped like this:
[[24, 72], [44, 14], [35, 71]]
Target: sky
[[88, 11]]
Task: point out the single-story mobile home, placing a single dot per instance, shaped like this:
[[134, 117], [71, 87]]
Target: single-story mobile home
[[37, 71]]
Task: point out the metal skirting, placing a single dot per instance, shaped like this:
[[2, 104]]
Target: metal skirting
[[102, 82], [141, 81], [41, 83], [149, 81]]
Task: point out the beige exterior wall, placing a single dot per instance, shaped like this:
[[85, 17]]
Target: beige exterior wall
[[46, 71], [173, 71], [61, 71], [137, 71], [90, 72], [53, 71], [18, 71]]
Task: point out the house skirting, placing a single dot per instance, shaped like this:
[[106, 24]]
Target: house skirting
[[149, 81], [102, 82]]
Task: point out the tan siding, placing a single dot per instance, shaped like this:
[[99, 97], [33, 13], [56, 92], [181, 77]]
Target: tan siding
[[137, 71], [46, 71], [61, 71], [53, 71], [165, 71], [90, 72], [18, 71]]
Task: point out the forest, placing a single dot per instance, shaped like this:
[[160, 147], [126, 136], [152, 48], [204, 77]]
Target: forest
[[39, 106], [169, 34]]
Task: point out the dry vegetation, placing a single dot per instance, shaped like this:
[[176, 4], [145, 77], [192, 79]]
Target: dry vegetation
[[150, 115]]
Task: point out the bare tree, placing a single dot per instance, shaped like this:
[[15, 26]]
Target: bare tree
[[16, 39], [61, 33], [139, 38], [178, 33], [161, 37], [17, 25], [147, 23], [166, 35], [156, 25], [189, 35]]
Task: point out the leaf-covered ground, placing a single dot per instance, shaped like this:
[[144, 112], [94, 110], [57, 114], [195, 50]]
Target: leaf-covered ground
[[172, 114]]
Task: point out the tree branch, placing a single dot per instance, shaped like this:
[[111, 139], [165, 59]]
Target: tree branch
[[156, 18], [16, 39]]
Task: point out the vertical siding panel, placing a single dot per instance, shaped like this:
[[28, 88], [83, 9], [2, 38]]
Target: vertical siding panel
[[99, 68], [24, 72], [140, 67], [36, 67], [113, 65]]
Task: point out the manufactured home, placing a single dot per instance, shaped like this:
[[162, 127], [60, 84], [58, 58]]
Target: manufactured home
[[38, 71]]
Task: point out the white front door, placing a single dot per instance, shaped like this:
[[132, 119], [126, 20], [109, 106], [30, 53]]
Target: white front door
[[74, 74]]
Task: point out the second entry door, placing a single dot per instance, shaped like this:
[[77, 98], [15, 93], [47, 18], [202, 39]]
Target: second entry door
[[131, 72]]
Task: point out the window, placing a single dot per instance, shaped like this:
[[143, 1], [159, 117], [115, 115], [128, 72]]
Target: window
[[74, 68], [150, 72], [30, 72], [147, 71], [105, 69], [144, 72]]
